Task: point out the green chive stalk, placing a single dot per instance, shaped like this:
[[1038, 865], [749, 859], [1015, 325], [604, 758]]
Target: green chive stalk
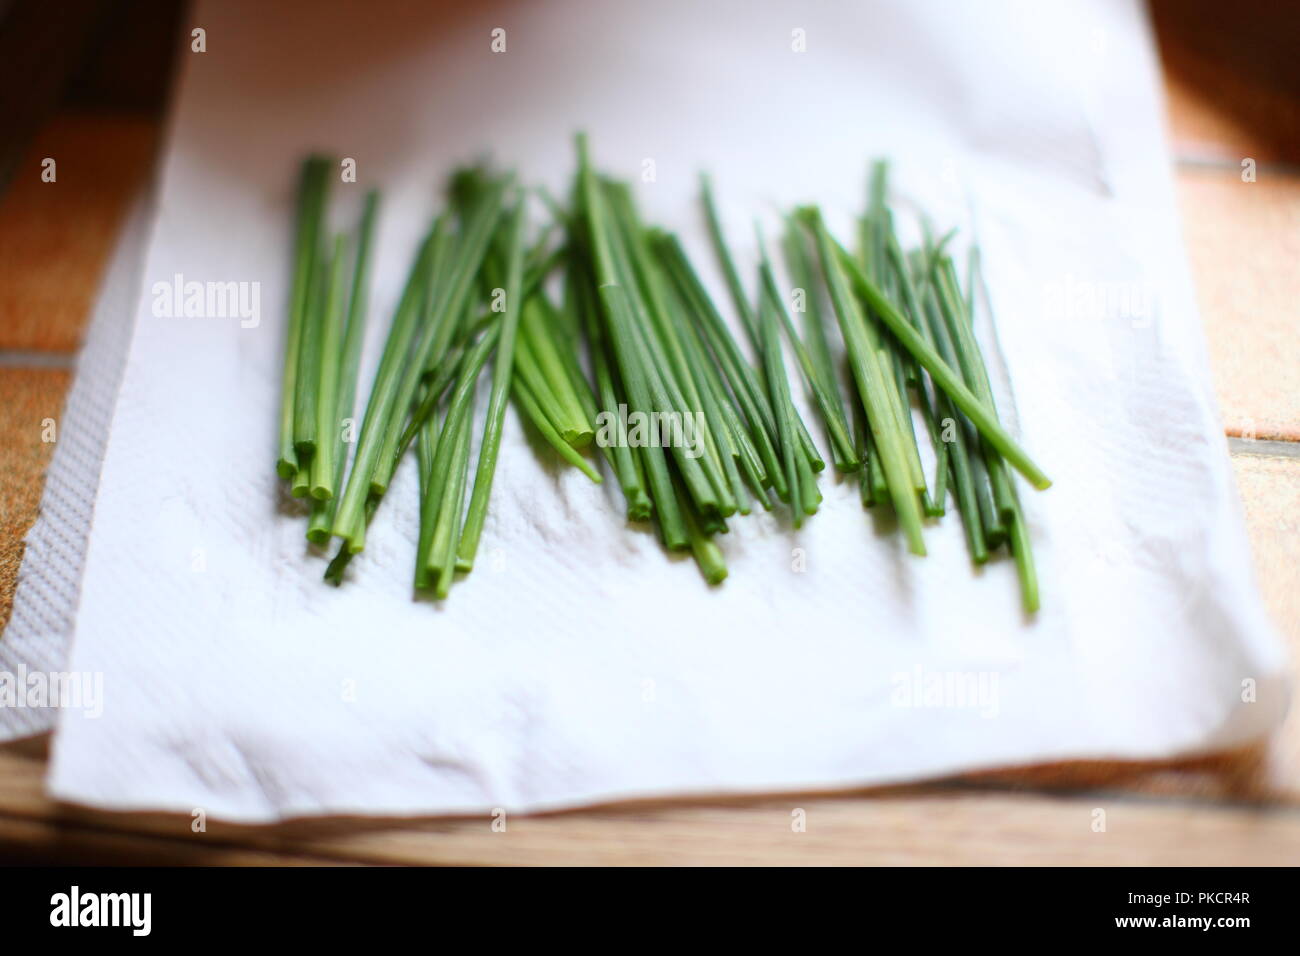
[[872, 386], [322, 513], [804, 496], [723, 252], [312, 188], [943, 374], [324, 462], [445, 309], [837, 427], [501, 371], [350, 521]]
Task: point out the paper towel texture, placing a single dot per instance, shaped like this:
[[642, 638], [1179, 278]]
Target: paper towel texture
[[578, 662], [37, 638]]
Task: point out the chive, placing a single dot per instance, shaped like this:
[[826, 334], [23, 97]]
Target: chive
[[442, 551], [749, 394], [804, 497], [975, 371], [536, 330], [708, 556], [968, 483], [915, 312], [617, 311], [350, 521], [322, 515], [862, 441], [654, 459], [445, 459], [723, 428], [538, 362], [832, 413], [807, 446], [300, 485], [871, 387], [309, 363], [343, 557], [668, 351], [723, 252], [896, 398], [426, 447], [645, 350], [803, 274], [1013, 513], [501, 369], [439, 381], [876, 473], [947, 333], [944, 376], [623, 461], [528, 370], [443, 373], [324, 462], [311, 203], [935, 506], [566, 340], [1022, 551], [459, 413], [876, 227], [533, 411], [443, 315]]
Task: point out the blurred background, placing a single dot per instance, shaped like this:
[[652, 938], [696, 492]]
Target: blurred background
[[88, 81]]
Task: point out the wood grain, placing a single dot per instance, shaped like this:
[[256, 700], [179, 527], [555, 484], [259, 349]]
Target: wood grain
[[28, 399], [943, 825], [56, 237]]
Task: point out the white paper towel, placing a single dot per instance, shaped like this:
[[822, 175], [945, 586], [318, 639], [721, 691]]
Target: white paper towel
[[578, 662], [35, 643]]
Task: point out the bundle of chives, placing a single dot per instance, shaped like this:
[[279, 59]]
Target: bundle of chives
[[351, 518], [876, 227], [501, 372], [862, 343], [800, 431], [688, 495], [814, 349], [744, 383], [804, 496], [656, 346], [924, 338], [551, 388], [626, 465], [443, 499], [445, 307], [322, 512], [827, 400], [327, 317], [1004, 520], [911, 304]]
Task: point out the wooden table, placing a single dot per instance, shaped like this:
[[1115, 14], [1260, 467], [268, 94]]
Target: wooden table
[[1235, 808]]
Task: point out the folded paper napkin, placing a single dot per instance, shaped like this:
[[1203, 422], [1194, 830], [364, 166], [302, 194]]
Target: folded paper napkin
[[578, 662]]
